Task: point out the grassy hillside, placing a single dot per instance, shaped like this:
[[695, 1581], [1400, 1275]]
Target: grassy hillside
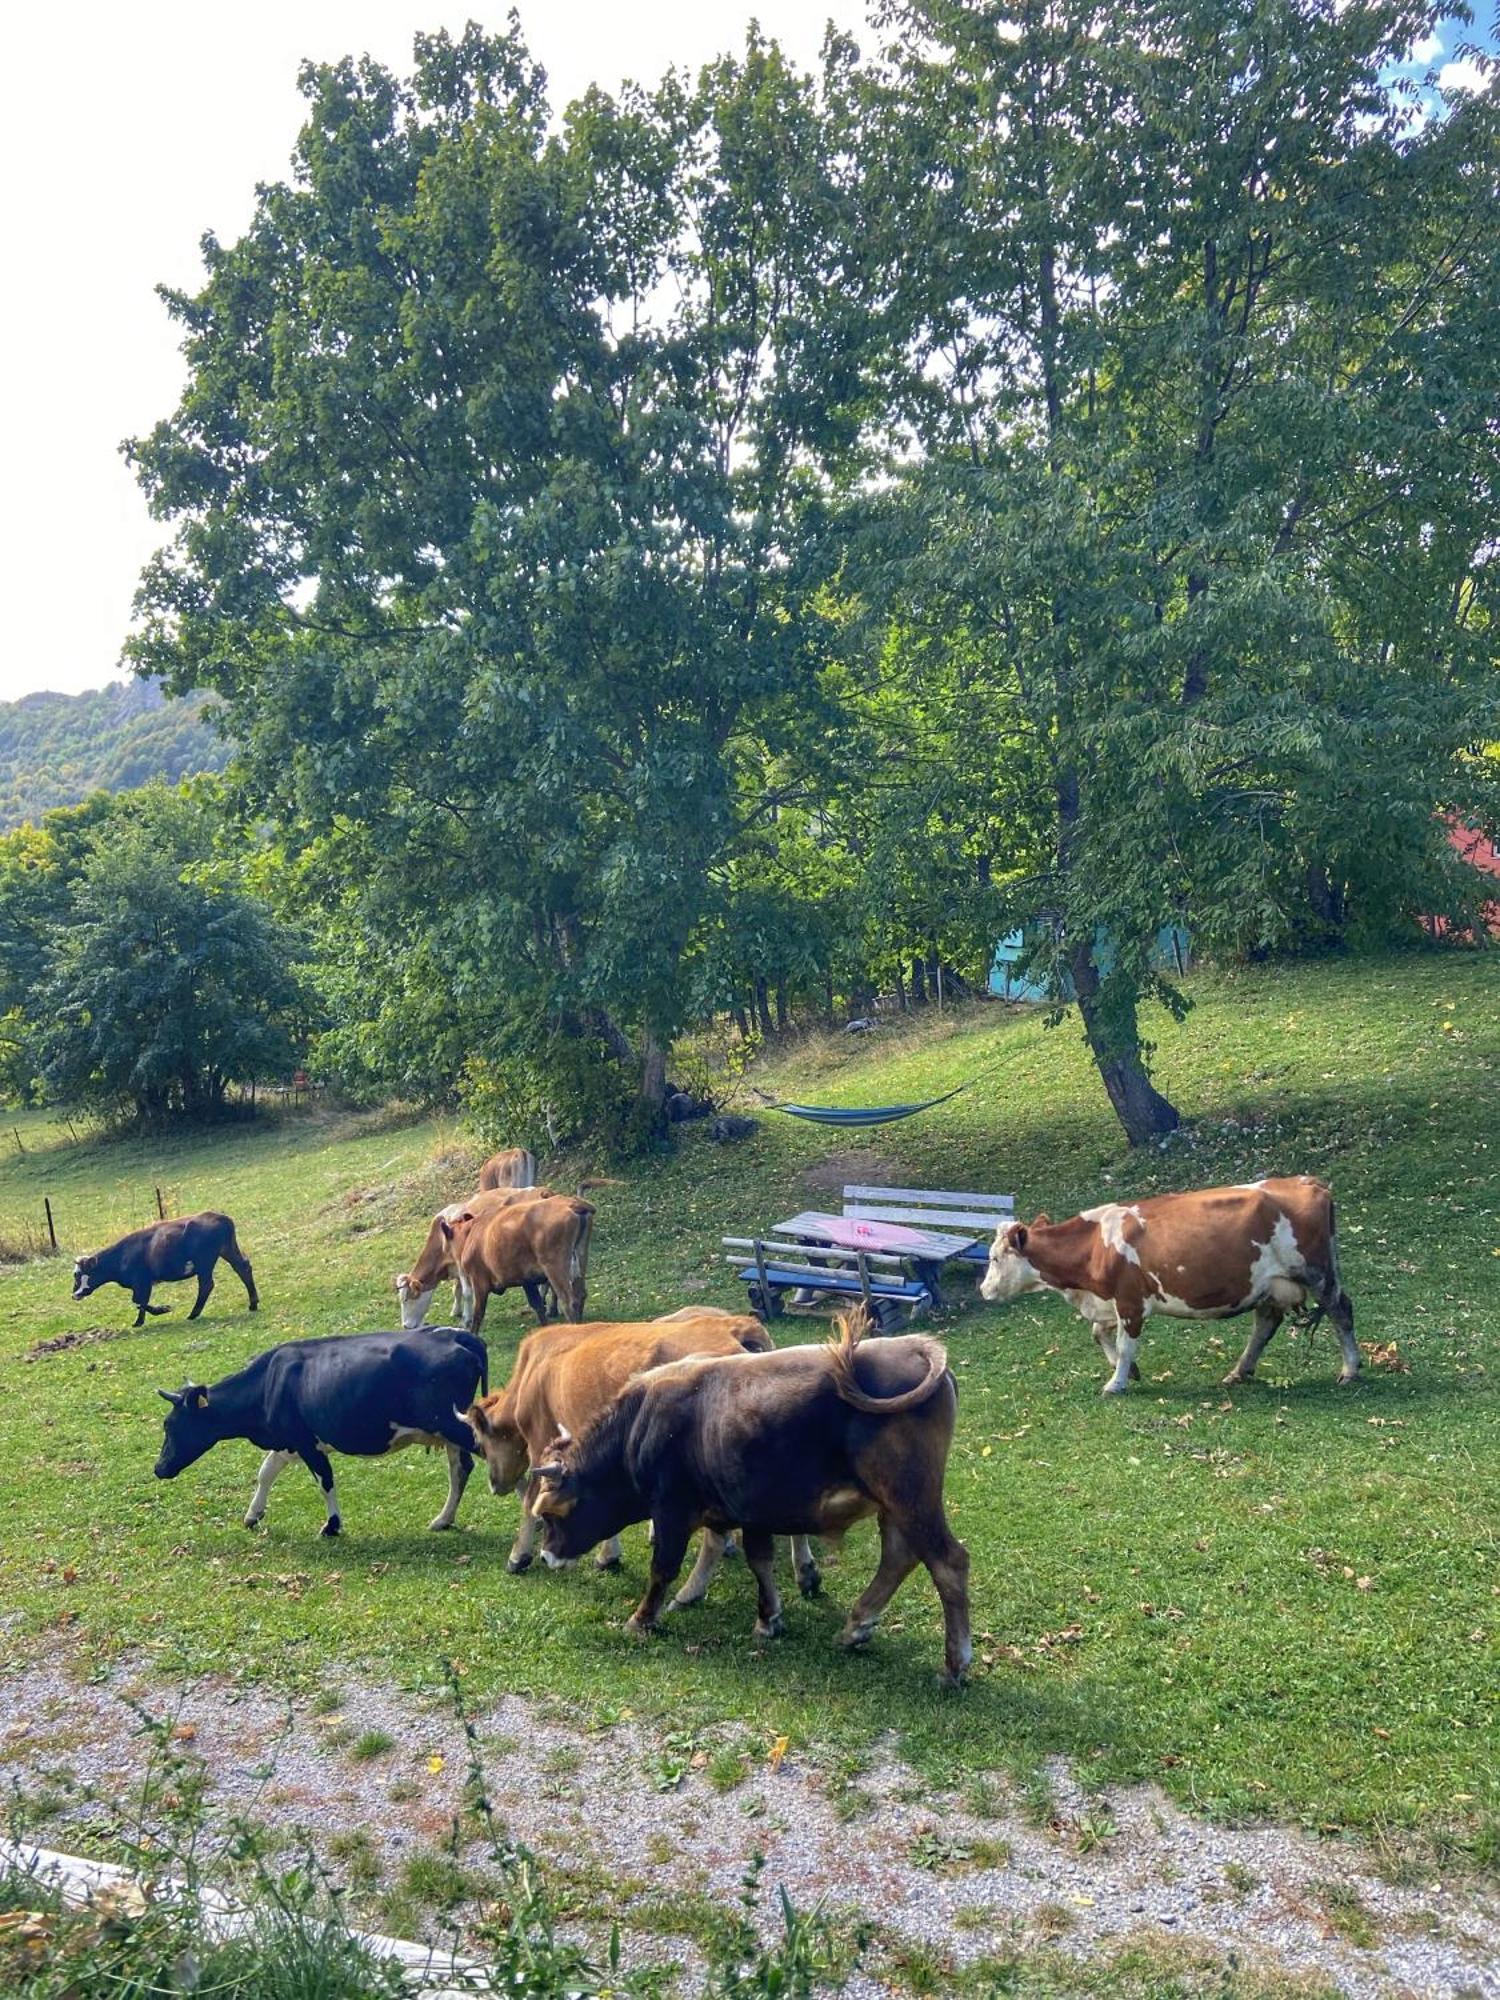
[[1276, 1598], [55, 749]]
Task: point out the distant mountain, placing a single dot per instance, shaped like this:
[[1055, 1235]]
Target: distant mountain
[[57, 748]]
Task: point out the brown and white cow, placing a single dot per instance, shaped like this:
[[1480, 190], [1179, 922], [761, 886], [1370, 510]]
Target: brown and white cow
[[1266, 1246], [531, 1242], [567, 1376], [436, 1260], [514, 1168]]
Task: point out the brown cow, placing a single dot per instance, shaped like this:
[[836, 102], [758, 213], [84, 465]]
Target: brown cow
[[435, 1261], [1266, 1245], [532, 1243], [806, 1440], [514, 1168], [566, 1376]]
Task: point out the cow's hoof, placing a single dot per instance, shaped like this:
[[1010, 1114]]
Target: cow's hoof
[[767, 1628], [253, 1520], [1346, 1377], [436, 1527], [518, 1564], [609, 1562], [854, 1636], [953, 1679], [330, 1528], [1113, 1388], [638, 1628], [1234, 1379], [810, 1580], [685, 1603]]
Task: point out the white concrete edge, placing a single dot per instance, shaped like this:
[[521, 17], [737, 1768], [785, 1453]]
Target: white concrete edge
[[79, 1881]]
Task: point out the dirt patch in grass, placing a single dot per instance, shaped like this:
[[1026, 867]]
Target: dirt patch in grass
[[89, 1336], [860, 1166]]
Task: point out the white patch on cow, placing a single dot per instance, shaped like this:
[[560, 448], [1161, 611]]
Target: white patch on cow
[[1279, 1265], [1111, 1217], [1163, 1301], [413, 1304]]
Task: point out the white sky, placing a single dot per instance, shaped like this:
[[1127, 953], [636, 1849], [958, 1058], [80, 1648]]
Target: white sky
[[141, 126]]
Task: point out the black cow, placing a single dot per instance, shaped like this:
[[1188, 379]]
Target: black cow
[[365, 1394], [163, 1254], [804, 1441]]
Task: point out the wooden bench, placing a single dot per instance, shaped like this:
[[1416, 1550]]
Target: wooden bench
[[950, 1211], [772, 1269]]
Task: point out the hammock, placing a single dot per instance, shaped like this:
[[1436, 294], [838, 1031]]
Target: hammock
[[879, 1114]]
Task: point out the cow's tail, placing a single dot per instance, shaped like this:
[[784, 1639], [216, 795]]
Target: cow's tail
[[474, 1346], [852, 1328]]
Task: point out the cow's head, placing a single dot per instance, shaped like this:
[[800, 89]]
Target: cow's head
[[189, 1429], [1011, 1272], [86, 1277], [576, 1513], [414, 1299], [501, 1443]]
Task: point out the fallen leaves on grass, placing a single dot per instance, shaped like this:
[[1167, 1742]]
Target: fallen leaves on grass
[[1385, 1354]]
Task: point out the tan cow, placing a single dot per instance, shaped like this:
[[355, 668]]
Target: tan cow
[[531, 1242], [436, 1261], [566, 1376], [1267, 1246], [514, 1168]]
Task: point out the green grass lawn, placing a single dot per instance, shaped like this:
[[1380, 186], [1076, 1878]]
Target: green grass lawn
[[1282, 1598]]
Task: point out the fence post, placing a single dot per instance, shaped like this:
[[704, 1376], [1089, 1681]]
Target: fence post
[[17, 1130], [161, 1207], [51, 1227]]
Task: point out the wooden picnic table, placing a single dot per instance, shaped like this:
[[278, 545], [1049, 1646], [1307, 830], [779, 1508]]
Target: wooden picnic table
[[895, 1239]]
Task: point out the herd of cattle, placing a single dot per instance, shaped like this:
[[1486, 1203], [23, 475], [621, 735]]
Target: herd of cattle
[[695, 1421]]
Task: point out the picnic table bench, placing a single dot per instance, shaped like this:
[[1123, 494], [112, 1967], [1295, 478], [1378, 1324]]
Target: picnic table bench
[[887, 1248]]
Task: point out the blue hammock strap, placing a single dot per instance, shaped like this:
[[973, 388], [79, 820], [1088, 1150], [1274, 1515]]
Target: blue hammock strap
[[879, 1114]]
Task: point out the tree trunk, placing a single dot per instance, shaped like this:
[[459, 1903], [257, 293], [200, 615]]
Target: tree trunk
[[1112, 1025], [737, 1015], [762, 1007], [653, 1085], [902, 1000], [918, 983], [1325, 898], [828, 998], [781, 1013]]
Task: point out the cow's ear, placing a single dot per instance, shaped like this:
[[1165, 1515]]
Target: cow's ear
[[197, 1397], [1018, 1236], [477, 1418], [1042, 1221], [447, 1228]]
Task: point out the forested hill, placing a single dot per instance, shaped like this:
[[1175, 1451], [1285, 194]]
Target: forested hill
[[57, 748]]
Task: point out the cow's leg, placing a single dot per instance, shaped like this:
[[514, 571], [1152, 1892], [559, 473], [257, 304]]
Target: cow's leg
[[1339, 1307], [317, 1464], [610, 1555], [205, 1286], [809, 1576], [479, 1298], [1268, 1316], [760, 1553], [239, 1263], [947, 1563], [523, 1548], [460, 1465], [1127, 1340], [668, 1547], [710, 1555], [536, 1298], [271, 1468], [897, 1561], [141, 1299]]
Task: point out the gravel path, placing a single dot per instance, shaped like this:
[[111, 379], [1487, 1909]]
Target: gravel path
[[644, 1814]]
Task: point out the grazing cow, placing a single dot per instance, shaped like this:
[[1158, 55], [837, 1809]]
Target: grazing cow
[[533, 1244], [164, 1254], [436, 1261], [364, 1394], [805, 1440], [514, 1168], [565, 1377], [1266, 1245]]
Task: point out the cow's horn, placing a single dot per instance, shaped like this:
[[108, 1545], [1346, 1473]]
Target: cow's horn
[[173, 1396], [554, 1470]]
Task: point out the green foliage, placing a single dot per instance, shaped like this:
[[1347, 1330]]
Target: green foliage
[[166, 982], [56, 749]]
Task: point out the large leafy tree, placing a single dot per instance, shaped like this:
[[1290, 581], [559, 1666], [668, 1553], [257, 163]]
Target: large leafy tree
[[1200, 340], [497, 486], [167, 981]]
